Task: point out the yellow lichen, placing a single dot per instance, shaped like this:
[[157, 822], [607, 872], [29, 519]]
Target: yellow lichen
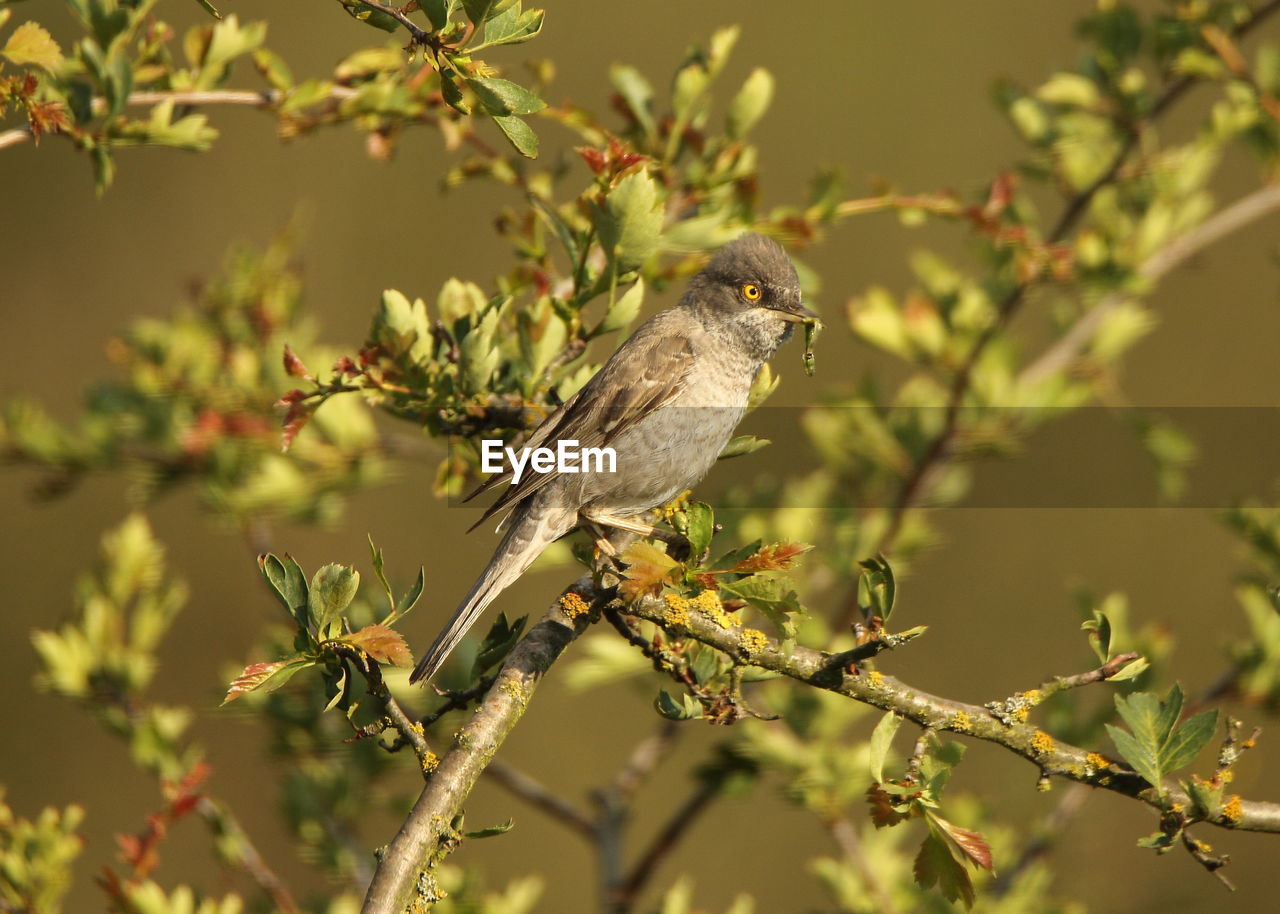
[[1042, 742], [876, 677], [430, 762], [961, 722], [1097, 761], [1021, 714], [514, 689], [1233, 809], [1226, 777], [677, 613], [1032, 695], [573, 605], [753, 641], [675, 506], [708, 602]]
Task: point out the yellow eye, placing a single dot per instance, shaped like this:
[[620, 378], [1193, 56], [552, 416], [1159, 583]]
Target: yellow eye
[[751, 292]]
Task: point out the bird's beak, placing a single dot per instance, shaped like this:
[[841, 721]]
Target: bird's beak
[[794, 311]]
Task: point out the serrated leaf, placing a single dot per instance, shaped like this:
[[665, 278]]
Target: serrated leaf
[[881, 742], [648, 568], [333, 588], [385, 645], [771, 596], [266, 676], [624, 310], [883, 813], [969, 845], [774, 557], [452, 94], [519, 134], [734, 556], [511, 26], [936, 865], [1140, 756], [701, 524], [1187, 740], [31, 45], [630, 223]]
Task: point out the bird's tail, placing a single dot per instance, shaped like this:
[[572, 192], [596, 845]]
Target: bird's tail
[[530, 532]]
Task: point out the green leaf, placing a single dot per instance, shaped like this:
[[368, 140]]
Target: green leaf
[[624, 310], [501, 638], [452, 94], [333, 588], [31, 45], [1141, 757], [1099, 629], [438, 11], [511, 26], [502, 96], [637, 94], [481, 11], [881, 741], [771, 595], [687, 709], [936, 865], [701, 525], [877, 588], [751, 103], [519, 134], [630, 223], [734, 556], [1131, 670], [743, 445], [409, 598], [288, 583], [379, 569], [492, 830], [1186, 742]]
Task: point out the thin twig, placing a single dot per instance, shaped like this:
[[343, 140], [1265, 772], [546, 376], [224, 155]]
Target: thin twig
[[846, 836], [419, 35], [535, 793], [1046, 835], [644, 758], [937, 451], [663, 843], [1244, 211]]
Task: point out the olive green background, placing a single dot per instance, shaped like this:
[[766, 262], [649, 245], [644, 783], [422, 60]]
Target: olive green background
[[875, 89]]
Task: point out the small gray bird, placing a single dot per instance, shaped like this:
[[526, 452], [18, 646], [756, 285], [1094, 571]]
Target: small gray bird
[[667, 402]]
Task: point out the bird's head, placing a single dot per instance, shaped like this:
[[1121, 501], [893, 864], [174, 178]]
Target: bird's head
[[751, 285]]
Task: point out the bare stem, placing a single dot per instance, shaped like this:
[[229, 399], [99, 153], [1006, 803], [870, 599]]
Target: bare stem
[[537, 794]]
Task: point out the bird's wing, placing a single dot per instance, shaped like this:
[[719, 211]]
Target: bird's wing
[[648, 371]]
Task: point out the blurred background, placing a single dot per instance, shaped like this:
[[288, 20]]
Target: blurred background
[[875, 90]]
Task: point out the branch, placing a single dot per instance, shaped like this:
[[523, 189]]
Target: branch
[[823, 670], [663, 843], [419, 35], [936, 452], [405, 867], [1247, 209]]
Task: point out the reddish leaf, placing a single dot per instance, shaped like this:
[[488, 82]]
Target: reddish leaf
[[775, 557], [970, 844], [295, 419], [594, 158], [293, 365], [882, 810], [648, 568], [345, 366], [383, 644], [267, 676]]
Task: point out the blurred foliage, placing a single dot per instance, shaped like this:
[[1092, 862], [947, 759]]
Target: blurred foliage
[[674, 175]]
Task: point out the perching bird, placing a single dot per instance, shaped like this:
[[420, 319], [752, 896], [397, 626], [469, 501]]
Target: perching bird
[[667, 402]]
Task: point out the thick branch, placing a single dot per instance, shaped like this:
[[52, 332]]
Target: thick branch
[[1053, 758], [428, 833]]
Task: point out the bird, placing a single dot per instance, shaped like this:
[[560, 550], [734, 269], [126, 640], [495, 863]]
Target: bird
[[667, 401]]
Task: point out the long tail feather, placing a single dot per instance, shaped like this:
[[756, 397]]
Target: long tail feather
[[530, 532]]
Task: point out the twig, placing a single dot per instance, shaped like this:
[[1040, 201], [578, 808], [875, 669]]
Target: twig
[[1247, 209], [936, 452], [1050, 830], [225, 825], [663, 843], [535, 793], [405, 871], [1053, 758], [419, 35], [14, 137], [644, 758], [846, 836]]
